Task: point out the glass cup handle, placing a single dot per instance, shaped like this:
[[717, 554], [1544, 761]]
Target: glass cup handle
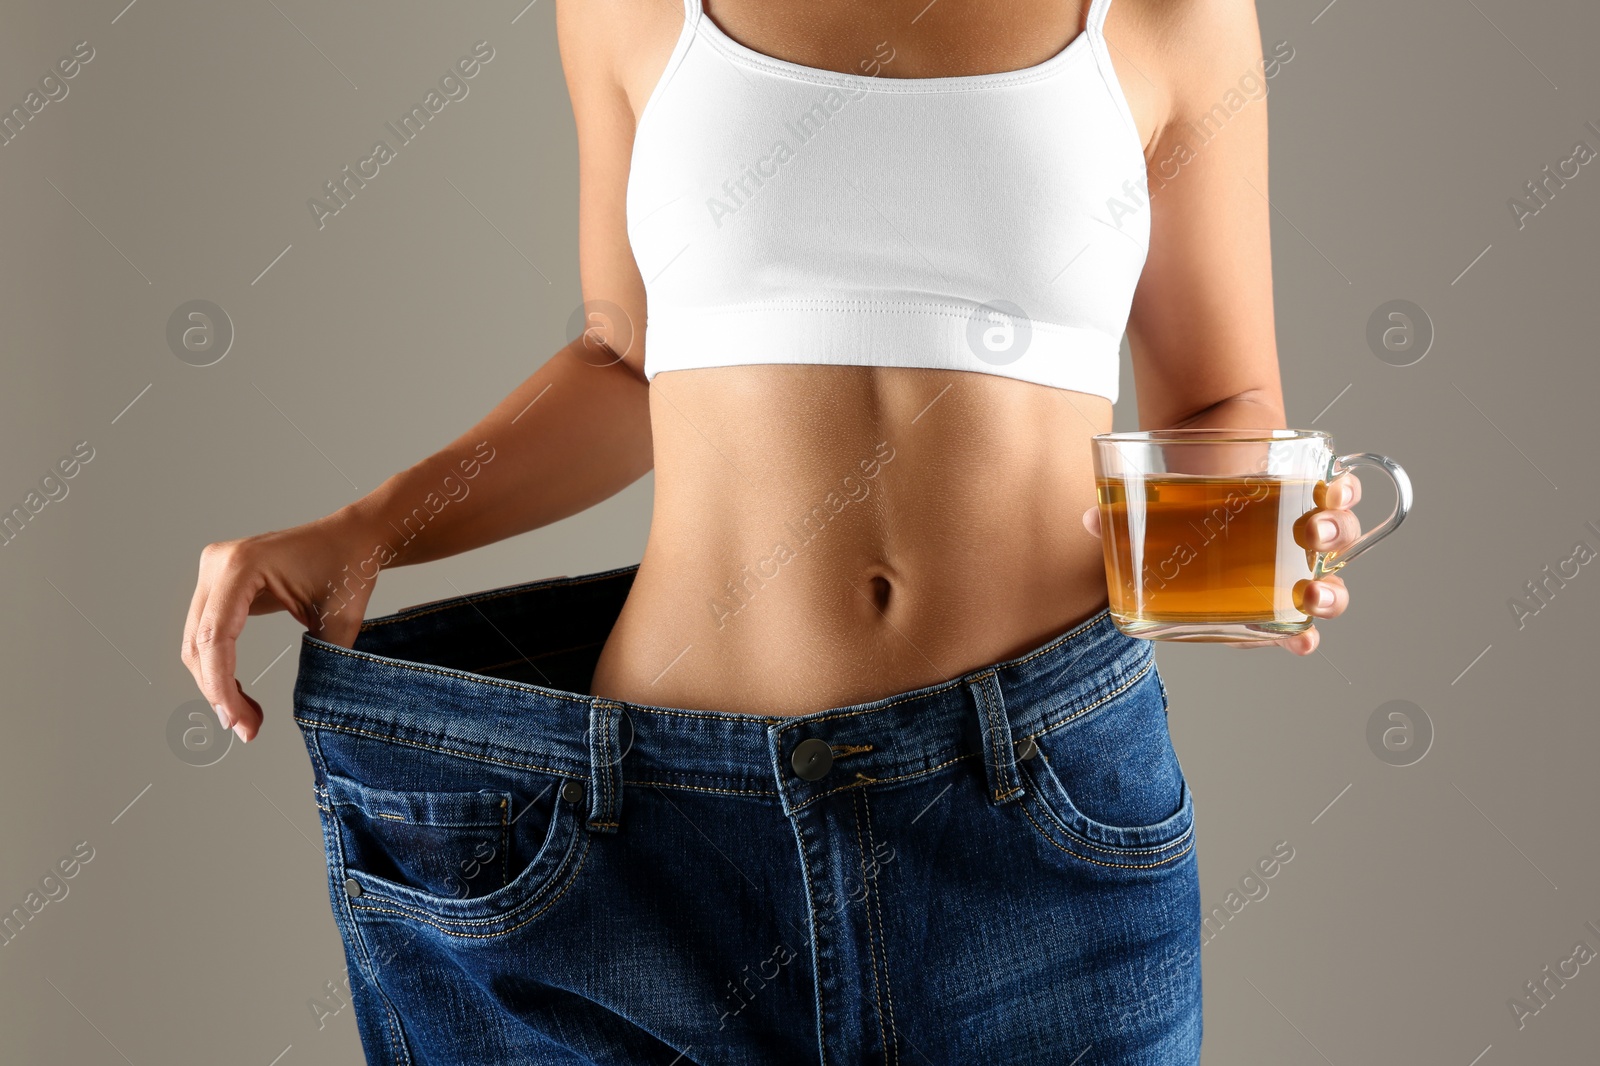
[[1332, 562]]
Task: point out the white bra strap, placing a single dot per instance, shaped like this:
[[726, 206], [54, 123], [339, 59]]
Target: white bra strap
[[691, 11], [1097, 16]]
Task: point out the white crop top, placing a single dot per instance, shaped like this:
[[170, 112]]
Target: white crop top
[[995, 223]]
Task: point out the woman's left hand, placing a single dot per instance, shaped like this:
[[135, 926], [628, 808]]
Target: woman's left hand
[[1332, 526]]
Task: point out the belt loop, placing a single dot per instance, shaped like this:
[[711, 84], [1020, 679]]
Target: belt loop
[[999, 756], [605, 774]]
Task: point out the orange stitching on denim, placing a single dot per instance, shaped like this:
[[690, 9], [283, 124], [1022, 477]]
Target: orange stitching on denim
[[1064, 638], [431, 747], [370, 972], [461, 675], [899, 777], [1126, 685], [816, 968], [877, 898], [1109, 849], [1079, 838], [994, 742], [505, 842], [572, 880], [702, 788], [1114, 865], [877, 993], [422, 914]]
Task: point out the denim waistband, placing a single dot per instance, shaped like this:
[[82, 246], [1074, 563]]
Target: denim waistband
[[457, 677]]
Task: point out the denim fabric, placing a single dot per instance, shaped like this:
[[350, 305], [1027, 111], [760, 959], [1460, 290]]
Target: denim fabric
[[994, 869]]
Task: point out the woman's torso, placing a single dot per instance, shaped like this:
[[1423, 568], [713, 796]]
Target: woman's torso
[[826, 535]]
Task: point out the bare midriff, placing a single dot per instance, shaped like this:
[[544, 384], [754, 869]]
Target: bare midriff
[[825, 535]]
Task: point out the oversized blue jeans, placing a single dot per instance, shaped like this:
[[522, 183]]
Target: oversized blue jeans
[[995, 869]]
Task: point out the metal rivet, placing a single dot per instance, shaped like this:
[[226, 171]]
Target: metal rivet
[[572, 791], [812, 759], [351, 887], [1026, 749]]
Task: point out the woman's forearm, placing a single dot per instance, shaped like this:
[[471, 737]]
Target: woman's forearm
[[571, 435]]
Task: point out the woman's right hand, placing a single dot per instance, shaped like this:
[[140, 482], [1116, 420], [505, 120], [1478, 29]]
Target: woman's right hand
[[300, 570]]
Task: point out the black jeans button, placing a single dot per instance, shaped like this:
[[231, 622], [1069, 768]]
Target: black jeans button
[[572, 791], [351, 887], [1026, 749], [812, 759]]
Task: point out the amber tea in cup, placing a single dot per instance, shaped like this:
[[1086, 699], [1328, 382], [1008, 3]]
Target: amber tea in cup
[[1200, 528]]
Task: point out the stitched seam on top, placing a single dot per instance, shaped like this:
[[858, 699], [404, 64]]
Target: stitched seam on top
[[1040, 71], [953, 311]]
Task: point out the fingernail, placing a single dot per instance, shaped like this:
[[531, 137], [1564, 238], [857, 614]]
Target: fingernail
[[1327, 529], [1321, 597], [238, 731], [223, 716]]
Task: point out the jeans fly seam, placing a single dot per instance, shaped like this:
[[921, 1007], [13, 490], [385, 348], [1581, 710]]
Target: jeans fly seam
[[883, 934], [816, 948], [877, 992]]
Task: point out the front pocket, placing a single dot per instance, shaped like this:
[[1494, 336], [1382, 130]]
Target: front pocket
[[448, 844], [456, 860], [1108, 782]]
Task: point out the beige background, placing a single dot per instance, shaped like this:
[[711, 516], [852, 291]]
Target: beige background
[[178, 167]]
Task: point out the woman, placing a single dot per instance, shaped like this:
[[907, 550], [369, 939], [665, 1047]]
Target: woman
[[853, 766]]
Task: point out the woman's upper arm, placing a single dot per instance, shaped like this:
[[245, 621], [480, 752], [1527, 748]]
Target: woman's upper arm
[[606, 47], [1201, 326]]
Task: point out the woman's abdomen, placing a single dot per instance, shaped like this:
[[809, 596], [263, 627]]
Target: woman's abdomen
[[825, 535]]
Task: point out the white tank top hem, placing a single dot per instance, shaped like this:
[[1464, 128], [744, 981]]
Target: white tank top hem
[[994, 223]]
